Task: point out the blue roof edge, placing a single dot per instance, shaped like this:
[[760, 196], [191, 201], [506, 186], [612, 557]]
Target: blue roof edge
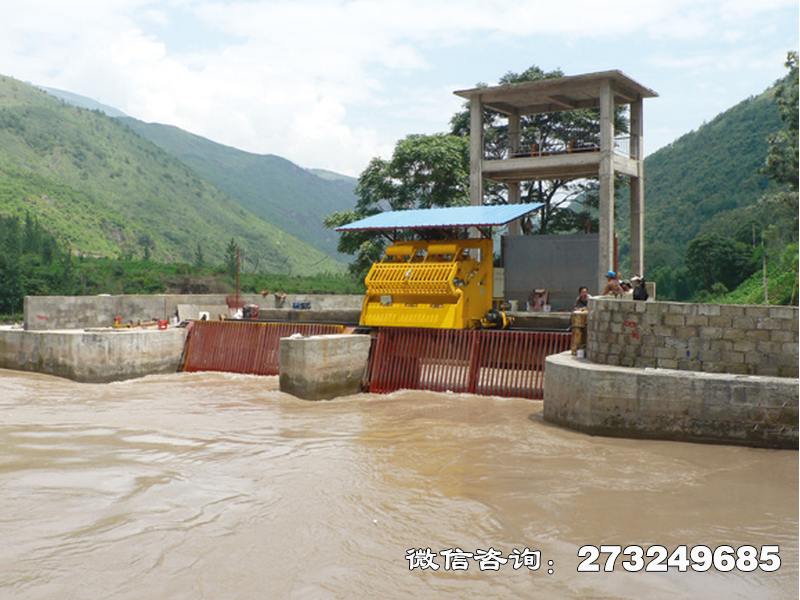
[[493, 215]]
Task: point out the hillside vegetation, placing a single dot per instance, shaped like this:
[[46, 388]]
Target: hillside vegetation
[[103, 190], [713, 208], [702, 174], [33, 262], [293, 198]]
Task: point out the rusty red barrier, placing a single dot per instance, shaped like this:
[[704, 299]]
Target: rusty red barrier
[[491, 363], [242, 346]]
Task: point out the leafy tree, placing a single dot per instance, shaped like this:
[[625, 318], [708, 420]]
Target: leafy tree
[[782, 159], [713, 259], [199, 257], [231, 258], [433, 170], [147, 244], [425, 171]]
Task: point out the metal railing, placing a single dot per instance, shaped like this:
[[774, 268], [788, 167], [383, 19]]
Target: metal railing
[[622, 146]]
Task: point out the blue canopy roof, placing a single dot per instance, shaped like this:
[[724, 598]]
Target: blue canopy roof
[[439, 218]]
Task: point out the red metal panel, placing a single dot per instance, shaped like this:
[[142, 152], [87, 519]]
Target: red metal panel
[[242, 346], [502, 363]]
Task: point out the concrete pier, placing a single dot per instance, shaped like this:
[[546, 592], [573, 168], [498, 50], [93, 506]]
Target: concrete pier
[[670, 404], [323, 366], [93, 356]]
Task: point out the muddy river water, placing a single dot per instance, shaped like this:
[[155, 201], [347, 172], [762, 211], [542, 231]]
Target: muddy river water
[[220, 486]]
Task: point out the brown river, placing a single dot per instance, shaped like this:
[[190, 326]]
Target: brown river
[[219, 486]]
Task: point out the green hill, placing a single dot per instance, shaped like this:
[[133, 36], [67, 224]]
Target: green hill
[[295, 199], [704, 173], [106, 191]]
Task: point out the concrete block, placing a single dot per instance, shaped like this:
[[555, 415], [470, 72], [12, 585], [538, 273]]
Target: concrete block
[[696, 320], [744, 346], [766, 347], [674, 320], [777, 335], [686, 333], [783, 312], [732, 357], [711, 332], [708, 309], [720, 321], [666, 363], [733, 334], [661, 353], [323, 366], [756, 311], [770, 323], [759, 335], [93, 356], [744, 323], [731, 310]]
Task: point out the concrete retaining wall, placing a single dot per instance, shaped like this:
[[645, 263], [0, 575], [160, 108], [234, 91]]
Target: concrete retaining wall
[[757, 340], [93, 356], [323, 366], [77, 312], [671, 404]]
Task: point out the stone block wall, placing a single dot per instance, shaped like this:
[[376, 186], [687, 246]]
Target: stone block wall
[[714, 338]]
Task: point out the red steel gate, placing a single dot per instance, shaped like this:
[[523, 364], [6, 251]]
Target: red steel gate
[[491, 363], [242, 346]]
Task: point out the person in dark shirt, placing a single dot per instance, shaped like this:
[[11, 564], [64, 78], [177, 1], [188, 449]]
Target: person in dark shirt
[[639, 289], [582, 301]]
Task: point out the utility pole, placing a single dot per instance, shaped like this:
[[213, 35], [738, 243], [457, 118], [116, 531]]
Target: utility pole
[[238, 267]]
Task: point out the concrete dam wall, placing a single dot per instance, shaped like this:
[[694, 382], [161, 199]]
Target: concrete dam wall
[[93, 356], [74, 312]]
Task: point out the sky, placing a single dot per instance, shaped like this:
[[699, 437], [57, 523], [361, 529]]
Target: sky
[[332, 83]]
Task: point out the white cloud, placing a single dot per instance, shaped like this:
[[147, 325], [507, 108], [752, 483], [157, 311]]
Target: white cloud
[[312, 80]]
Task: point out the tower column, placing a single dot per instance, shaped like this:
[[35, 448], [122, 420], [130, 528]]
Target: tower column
[[475, 151], [606, 176], [637, 190], [513, 186]]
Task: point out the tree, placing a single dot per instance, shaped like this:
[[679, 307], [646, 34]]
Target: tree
[[550, 131], [782, 158], [231, 258], [433, 170], [425, 171], [199, 257], [712, 259], [147, 244]]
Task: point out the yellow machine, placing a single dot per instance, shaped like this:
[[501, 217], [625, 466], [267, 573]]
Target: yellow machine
[[439, 284], [443, 284]]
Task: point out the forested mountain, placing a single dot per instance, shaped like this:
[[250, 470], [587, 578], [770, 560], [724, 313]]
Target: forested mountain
[[295, 199], [101, 188], [704, 173], [713, 211]]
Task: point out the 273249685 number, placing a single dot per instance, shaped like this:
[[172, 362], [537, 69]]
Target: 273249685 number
[[660, 559]]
